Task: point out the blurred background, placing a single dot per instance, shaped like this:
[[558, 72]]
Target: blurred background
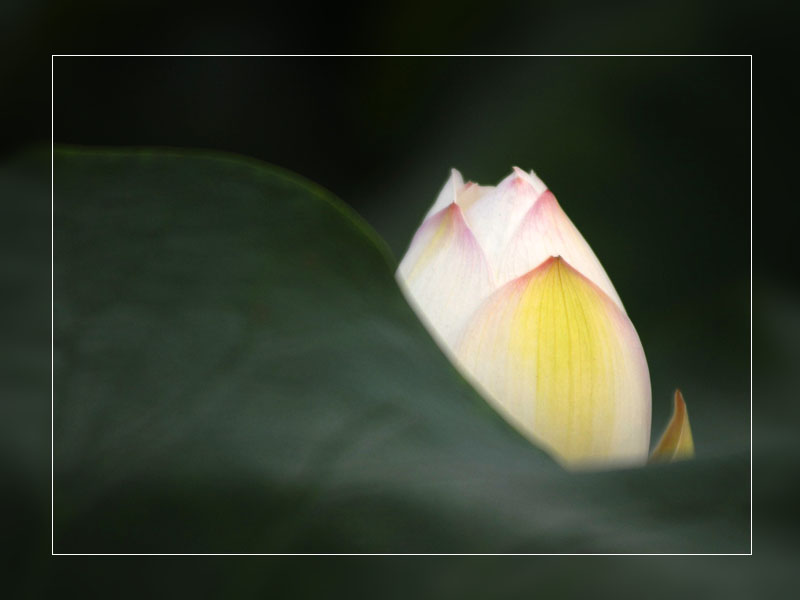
[[650, 157]]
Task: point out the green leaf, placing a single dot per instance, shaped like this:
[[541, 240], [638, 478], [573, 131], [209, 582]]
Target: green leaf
[[235, 370]]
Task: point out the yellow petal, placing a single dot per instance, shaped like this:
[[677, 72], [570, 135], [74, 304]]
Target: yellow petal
[[676, 442], [562, 361]]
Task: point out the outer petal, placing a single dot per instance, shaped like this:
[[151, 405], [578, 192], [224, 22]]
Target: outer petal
[[444, 274], [448, 194], [560, 359]]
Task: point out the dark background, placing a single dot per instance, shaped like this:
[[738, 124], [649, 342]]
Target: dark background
[[650, 157]]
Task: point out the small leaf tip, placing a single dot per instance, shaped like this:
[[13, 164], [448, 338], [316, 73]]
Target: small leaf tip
[[676, 442]]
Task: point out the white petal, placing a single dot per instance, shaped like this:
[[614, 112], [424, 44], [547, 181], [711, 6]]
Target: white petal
[[547, 231], [448, 194], [445, 275], [496, 215], [560, 359], [470, 194]]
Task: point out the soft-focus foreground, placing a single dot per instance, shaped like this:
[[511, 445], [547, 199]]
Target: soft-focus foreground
[[517, 299]]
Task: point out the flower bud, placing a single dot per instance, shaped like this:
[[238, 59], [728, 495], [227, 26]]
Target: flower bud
[[516, 298]]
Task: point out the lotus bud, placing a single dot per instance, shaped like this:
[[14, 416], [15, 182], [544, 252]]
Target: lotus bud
[[516, 298]]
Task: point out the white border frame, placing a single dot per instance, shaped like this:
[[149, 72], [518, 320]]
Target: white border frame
[[52, 284]]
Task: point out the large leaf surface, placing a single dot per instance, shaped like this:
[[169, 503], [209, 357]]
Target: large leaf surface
[[235, 370]]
